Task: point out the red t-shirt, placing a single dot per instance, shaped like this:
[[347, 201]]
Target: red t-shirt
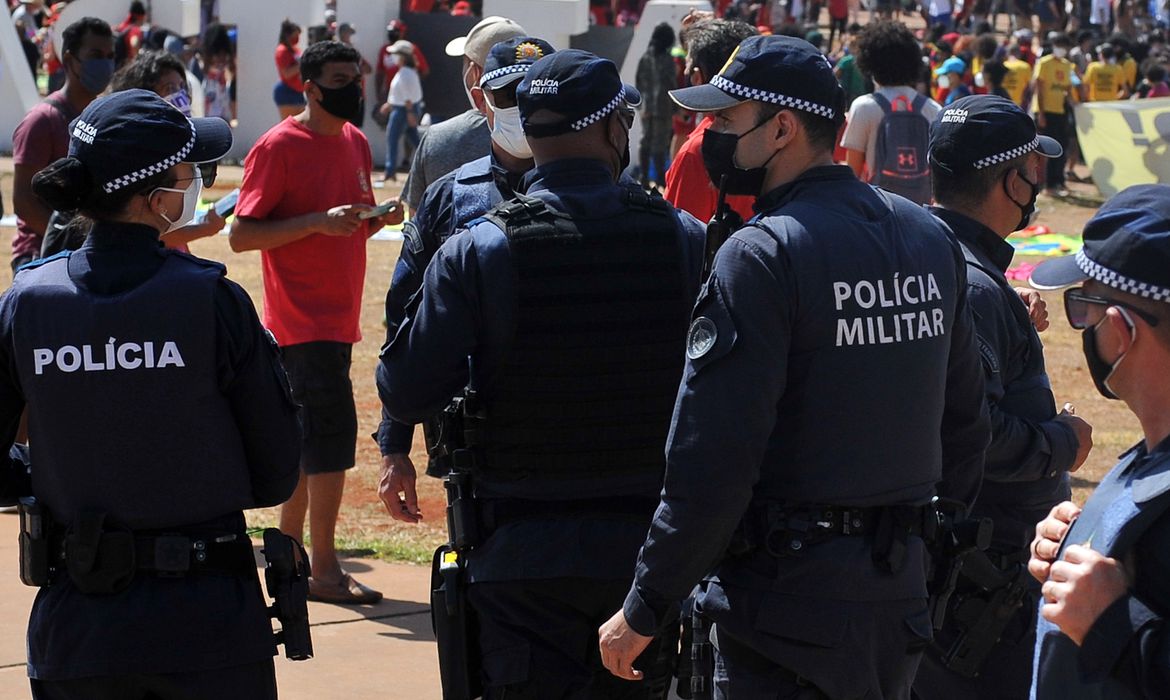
[[313, 286], [688, 186], [41, 138], [286, 57], [838, 9]]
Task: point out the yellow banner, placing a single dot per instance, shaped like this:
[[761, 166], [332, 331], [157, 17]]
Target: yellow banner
[[1125, 142]]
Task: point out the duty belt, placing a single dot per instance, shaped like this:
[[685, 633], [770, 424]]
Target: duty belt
[[173, 555], [497, 512]]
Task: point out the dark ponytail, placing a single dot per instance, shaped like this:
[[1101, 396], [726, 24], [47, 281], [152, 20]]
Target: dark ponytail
[[67, 185]]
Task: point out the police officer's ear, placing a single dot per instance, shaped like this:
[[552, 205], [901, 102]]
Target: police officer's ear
[[783, 127], [479, 99]]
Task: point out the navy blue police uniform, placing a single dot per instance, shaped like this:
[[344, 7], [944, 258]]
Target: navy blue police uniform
[[157, 406], [572, 307], [1126, 652], [832, 388], [1027, 462], [449, 204]]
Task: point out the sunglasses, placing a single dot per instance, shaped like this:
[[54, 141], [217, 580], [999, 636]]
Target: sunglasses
[[1077, 304], [207, 173]]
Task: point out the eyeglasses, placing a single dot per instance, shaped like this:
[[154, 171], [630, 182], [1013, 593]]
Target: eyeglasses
[[1077, 303], [627, 116], [207, 172]]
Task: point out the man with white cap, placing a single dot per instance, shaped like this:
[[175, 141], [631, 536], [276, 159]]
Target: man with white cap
[[1105, 568], [449, 204], [449, 144]]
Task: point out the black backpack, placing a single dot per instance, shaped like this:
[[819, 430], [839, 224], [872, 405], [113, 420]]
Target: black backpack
[[900, 154]]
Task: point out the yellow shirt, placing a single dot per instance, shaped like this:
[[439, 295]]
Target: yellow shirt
[[1056, 74], [1015, 81], [1103, 81], [1130, 66]]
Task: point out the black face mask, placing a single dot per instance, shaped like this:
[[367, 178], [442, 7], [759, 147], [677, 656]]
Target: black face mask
[[1099, 369], [1027, 213], [343, 102], [719, 159]]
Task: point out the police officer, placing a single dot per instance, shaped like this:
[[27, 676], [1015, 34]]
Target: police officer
[[450, 203], [832, 387], [157, 412], [1103, 632], [571, 304], [986, 161]]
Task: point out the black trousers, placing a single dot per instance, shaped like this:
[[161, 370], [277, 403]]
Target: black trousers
[[538, 640], [1056, 126], [253, 681]]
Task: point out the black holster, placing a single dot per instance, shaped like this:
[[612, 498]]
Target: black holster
[[99, 556], [455, 627], [702, 653], [286, 575], [983, 613], [39, 551], [954, 537]]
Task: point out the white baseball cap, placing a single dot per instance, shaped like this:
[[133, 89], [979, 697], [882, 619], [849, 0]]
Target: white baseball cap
[[482, 37]]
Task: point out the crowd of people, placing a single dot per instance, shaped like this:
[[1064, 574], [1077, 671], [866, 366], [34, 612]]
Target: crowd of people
[[646, 411]]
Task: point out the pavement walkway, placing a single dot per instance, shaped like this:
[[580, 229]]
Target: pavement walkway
[[384, 651]]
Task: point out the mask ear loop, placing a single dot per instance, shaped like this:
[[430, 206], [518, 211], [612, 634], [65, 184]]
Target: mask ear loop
[[1132, 339]]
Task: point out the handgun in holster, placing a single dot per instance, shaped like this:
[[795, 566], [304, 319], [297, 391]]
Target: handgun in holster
[[702, 657], [286, 576], [954, 536], [452, 446], [984, 614]]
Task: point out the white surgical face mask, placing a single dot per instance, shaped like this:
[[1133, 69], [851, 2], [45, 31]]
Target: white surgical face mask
[[190, 202], [944, 81], [507, 131], [1059, 52], [980, 81]]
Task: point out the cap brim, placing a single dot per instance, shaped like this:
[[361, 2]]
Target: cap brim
[[213, 139], [1049, 147], [704, 98], [633, 97], [1057, 273], [455, 46], [502, 80]]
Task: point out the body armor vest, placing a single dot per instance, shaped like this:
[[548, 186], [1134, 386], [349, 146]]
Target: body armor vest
[[589, 383], [126, 413]]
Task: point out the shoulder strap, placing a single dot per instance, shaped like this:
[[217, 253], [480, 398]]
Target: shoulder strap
[[524, 216], [919, 103], [882, 102]]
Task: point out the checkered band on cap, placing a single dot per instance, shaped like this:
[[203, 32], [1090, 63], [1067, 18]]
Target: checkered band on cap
[[601, 113], [1008, 155], [505, 70], [774, 98], [143, 173], [1119, 281]]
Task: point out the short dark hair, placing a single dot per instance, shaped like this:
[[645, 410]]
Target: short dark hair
[[137, 9], [287, 29], [145, 71], [315, 57], [711, 42], [995, 71], [821, 132], [986, 46], [970, 188], [74, 34], [217, 40], [888, 52]]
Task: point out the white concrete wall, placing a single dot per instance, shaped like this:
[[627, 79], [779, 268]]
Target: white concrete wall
[[552, 20], [18, 91]]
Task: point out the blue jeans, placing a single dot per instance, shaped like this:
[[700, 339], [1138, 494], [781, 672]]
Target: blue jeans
[[395, 127]]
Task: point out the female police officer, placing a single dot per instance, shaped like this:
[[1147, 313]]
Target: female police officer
[[157, 413]]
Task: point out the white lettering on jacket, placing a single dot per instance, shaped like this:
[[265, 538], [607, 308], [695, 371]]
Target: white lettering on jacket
[[111, 356]]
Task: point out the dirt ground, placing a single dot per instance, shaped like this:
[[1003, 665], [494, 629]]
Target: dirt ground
[[364, 526]]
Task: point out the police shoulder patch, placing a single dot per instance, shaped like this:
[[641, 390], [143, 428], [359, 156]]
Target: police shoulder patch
[[701, 337], [411, 238]]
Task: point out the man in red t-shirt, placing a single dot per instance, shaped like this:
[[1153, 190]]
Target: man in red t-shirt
[[306, 221], [43, 135], [709, 42]]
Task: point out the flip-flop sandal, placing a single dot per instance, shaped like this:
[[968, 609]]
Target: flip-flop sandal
[[347, 591]]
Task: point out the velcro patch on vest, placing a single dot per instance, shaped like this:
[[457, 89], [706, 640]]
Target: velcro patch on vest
[[712, 332]]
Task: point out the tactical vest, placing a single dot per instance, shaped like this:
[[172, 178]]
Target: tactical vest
[[473, 193], [589, 382], [1126, 503], [126, 415]]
